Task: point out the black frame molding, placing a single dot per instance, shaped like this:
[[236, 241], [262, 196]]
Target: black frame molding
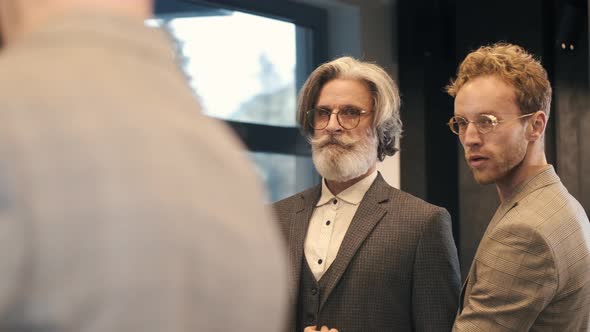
[[266, 138]]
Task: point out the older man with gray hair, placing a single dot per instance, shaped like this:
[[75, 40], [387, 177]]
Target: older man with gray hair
[[364, 256]]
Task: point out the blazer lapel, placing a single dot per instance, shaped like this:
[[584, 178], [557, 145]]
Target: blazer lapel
[[367, 216], [498, 215], [543, 178], [297, 232]]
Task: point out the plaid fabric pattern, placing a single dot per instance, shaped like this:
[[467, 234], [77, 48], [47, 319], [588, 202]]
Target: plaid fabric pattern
[[532, 269]]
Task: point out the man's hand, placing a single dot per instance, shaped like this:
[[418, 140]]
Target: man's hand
[[323, 329]]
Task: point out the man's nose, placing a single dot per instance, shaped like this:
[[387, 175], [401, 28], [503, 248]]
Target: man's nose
[[333, 124], [471, 136]]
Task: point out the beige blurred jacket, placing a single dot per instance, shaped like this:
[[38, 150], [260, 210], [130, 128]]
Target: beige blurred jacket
[[121, 207]]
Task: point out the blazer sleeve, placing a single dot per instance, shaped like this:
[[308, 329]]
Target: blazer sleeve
[[515, 278], [436, 276]]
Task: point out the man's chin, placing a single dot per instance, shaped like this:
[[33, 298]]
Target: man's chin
[[482, 178], [336, 169]]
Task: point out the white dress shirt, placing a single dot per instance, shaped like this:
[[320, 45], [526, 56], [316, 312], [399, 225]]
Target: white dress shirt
[[329, 222]]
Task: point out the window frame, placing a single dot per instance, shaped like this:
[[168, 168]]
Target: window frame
[[285, 140]]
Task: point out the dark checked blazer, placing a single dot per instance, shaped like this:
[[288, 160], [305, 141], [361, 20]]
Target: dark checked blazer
[[531, 271], [397, 267]]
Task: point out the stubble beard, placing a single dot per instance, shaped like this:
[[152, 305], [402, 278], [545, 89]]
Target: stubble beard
[[340, 158], [504, 165]]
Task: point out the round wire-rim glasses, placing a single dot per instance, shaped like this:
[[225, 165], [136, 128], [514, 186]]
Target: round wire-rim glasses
[[484, 123], [348, 117]]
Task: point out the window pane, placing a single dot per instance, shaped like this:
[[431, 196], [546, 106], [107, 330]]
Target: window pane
[[242, 66], [284, 175]]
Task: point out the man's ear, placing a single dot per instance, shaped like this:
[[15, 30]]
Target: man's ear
[[537, 125]]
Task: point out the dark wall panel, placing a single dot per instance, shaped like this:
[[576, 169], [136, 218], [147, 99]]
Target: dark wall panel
[[426, 55], [572, 98]]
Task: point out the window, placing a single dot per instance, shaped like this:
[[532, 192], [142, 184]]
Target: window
[[246, 61]]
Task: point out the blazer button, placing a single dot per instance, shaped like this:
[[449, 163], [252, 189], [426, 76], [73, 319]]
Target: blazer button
[[314, 291]]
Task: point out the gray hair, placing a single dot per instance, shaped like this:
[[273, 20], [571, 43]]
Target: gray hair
[[386, 100]]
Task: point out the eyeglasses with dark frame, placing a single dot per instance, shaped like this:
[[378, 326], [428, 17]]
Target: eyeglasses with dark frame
[[484, 123], [348, 117]]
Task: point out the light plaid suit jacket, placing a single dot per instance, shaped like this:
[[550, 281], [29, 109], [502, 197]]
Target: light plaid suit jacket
[[531, 271], [396, 270]]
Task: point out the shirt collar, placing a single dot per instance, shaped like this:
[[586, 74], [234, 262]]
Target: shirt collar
[[352, 195]]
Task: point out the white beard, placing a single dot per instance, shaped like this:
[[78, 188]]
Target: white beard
[[340, 159]]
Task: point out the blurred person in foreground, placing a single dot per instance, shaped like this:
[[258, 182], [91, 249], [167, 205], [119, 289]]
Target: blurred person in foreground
[[364, 256], [531, 271], [122, 208]]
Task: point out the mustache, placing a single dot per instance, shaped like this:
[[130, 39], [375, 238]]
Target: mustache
[[320, 142]]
